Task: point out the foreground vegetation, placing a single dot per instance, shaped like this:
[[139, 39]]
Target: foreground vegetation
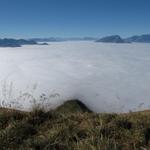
[[72, 126]]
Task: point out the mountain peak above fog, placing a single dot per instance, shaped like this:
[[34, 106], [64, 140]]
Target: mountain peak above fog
[[112, 39], [15, 42], [145, 38]]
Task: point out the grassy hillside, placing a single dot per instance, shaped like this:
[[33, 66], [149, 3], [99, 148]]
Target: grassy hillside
[[73, 126]]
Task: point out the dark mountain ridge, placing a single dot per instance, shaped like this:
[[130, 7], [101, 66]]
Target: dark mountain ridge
[[117, 39], [145, 38], [112, 39], [16, 42]]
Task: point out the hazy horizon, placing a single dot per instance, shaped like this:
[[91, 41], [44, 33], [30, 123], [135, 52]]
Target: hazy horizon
[[73, 37]]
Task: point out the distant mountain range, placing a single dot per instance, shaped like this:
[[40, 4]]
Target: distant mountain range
[[139, 38], [108, 39], [117, 39], [16, 43], [112, 39]]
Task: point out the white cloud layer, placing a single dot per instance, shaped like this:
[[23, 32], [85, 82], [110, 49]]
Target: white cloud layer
[[106, 77]]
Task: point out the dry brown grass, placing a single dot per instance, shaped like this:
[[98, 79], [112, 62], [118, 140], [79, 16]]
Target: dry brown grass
[[78, 130]]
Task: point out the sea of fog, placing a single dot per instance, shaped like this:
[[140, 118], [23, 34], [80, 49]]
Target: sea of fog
[[106, 77]]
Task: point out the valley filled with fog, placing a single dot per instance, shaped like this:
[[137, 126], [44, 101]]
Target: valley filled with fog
[[106, 77]]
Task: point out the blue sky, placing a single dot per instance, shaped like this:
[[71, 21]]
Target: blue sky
[[73, 18]]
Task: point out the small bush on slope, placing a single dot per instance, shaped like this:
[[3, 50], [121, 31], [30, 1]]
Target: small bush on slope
[[79, 130]]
